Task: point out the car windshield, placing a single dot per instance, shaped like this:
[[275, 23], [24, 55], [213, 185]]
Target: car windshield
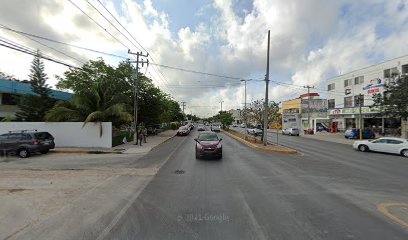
[[183, 128], [208, 137]]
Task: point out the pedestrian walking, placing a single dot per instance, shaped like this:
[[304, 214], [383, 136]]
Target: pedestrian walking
[[154, 131], [145, 135], [141, 136]]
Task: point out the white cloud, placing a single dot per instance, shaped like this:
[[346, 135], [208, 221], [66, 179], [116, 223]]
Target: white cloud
[[310, 40]]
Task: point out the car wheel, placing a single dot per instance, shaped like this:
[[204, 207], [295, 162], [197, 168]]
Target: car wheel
[[404, 152], [23, 153], [363, 148], [45, 151]]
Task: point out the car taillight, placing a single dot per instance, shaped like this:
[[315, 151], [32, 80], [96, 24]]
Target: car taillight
[[35, 142]]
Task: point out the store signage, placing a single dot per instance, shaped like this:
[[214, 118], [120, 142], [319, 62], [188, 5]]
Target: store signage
[[347, 91], [356, 110], [374, 90], [374, 83]]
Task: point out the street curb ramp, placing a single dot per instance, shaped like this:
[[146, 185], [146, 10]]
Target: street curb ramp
[[251, 145]]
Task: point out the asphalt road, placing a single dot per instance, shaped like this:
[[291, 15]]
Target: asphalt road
[[329, 191]]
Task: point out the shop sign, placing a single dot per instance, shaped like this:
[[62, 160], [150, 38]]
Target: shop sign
[[374, 90], [374, 83], [350, 111]]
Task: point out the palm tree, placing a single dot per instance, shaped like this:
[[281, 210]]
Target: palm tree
[[99, 104]]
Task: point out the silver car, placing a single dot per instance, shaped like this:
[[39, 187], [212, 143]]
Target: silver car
[[290, 131]]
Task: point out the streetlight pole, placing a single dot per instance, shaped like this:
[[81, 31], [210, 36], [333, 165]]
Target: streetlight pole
[[360, 103], [265, 114], [221, 104], [245, 103]]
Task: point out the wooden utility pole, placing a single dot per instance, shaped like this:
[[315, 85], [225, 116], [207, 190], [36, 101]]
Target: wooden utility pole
[[135, 73]]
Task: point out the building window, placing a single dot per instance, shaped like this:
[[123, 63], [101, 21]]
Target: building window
[[331, 104], [390, 73], [8, 99], [347, 82], [331, 87], [359, 80], [358, 100], [348, 102]]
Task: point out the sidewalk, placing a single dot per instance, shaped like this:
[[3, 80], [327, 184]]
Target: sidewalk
[[325, 136], [127, 148], [330, 137]]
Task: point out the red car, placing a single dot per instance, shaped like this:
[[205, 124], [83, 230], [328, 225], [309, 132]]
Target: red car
[[208, 144]]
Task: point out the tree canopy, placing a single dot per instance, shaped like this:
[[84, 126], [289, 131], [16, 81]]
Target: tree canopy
[[32, 108], [98, 87], [393, 102]]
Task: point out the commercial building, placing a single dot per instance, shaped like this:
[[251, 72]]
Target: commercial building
[[296, 113], [9, 89], [237, 115], [350, 93]]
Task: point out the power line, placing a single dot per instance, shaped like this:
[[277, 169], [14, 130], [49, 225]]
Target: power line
[[98, 24], [122, 26], [158, 72], [30, 52], [59, 42]]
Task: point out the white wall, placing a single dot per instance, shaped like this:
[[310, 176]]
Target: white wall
[[67, 134]]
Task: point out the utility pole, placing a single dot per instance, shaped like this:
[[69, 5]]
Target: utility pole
[[265, 114], [221, 104], [134, 76], [360, 103], [183, 105], [245, 103], [308, 105]]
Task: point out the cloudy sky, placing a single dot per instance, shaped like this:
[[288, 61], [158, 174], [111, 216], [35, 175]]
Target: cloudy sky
[[311, 41]]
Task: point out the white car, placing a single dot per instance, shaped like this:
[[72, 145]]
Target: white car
[[290, 131], [255, 131], [385, 144], [243, 125]]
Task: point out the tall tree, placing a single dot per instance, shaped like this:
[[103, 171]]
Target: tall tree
[[154, 106], [98, 104], [254, 112], [394, 101], [34, 107]]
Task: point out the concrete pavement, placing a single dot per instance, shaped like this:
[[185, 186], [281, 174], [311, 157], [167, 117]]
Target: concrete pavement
[[251, 194], [328, 192]]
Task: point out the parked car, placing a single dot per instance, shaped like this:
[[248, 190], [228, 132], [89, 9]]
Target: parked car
[[208, 144], [385, 144], [191, 126], [200, 127], [291, 131], [354, 133], [216, 128], [257, 131], [183, 131], [234, 125], [243, 125], [24, 143]]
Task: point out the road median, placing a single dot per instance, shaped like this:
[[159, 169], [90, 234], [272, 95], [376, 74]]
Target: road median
[[255, 143]]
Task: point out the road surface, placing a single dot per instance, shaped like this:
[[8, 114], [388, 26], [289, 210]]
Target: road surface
[[329, 191]]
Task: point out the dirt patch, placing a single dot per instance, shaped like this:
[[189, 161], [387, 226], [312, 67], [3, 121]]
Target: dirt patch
[[13, 190]]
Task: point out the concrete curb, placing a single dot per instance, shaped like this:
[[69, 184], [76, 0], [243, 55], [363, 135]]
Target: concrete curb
[[85, 151], [163, 142], [260, 148], [100, 151]]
